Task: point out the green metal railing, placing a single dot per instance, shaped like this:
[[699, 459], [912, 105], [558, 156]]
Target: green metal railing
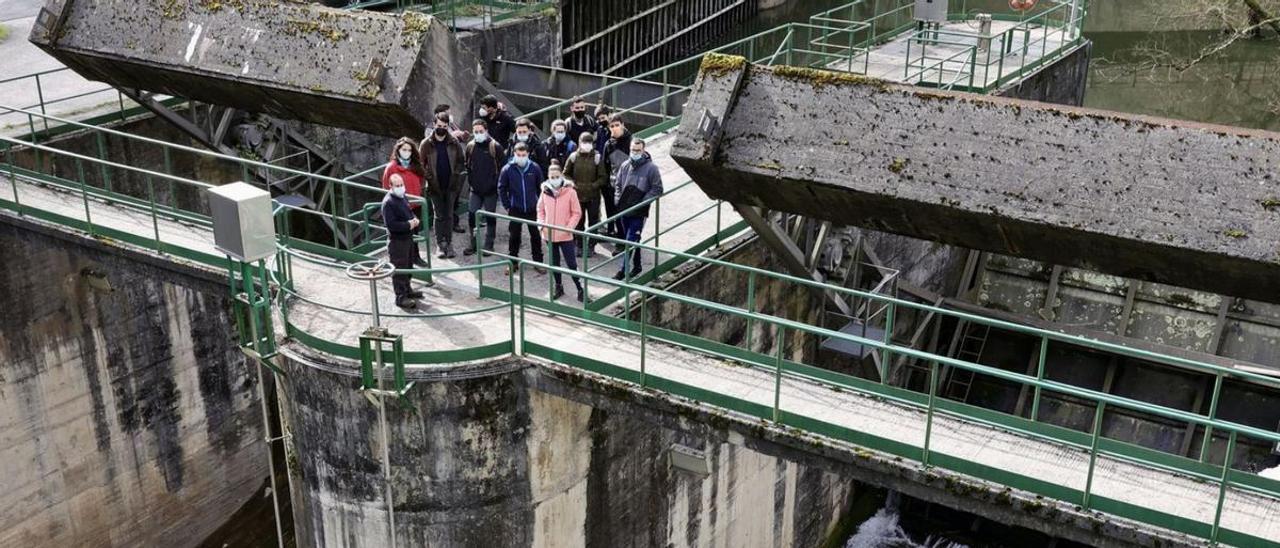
[[521, 300], [840, 39]]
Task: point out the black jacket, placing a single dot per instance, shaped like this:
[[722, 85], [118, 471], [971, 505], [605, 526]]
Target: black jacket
[[536, 151], [559, 151], [484, 163], [501, 126], [576, 129], [396, 215]]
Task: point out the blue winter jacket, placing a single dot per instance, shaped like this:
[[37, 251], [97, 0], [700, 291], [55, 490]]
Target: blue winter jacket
[[518, 187]]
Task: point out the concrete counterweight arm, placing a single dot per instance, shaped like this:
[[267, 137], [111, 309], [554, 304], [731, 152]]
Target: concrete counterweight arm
[[1160, 200]]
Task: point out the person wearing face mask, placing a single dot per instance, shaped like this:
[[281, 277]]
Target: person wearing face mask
[[406, 163], [524, 135], [603, 113], [639, 181], [442, 160], [460, 199], [559, 146], [518, 189], [616, 151], [558, 206], [585, 168], [484, 161], [401, 224], [500, 124], [580, 120]]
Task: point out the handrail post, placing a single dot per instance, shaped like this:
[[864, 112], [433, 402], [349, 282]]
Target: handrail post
[[13, 179], [1093, 451], [1035, 398], [1213, 411], [102, 155], [155, 222], [40, 95], [1223, 482], [84, 194], [644, 337], [719, 204], [751, 306], [781, 342], [511, 283], [888, 340], [586, 264], [928, 421], [520, 265]]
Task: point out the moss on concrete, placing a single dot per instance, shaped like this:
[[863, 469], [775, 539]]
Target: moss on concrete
[[821, 78], [719, 64]]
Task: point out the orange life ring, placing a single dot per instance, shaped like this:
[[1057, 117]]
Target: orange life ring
[[1022, 5]]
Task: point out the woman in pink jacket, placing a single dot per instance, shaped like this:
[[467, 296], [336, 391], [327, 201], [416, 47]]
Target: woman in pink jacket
[[558, 206]]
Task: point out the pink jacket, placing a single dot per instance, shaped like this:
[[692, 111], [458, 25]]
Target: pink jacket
[[561, 209]]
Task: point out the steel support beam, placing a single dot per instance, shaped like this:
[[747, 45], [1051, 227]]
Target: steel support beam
[[786, 249]]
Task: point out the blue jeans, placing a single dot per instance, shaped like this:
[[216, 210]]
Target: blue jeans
[[631, 229]]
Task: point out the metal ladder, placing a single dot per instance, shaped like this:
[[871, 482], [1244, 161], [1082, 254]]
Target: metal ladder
[[973, 342]]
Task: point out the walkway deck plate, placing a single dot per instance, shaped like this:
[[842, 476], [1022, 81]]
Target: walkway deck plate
[[1159, 200], [370, 72]]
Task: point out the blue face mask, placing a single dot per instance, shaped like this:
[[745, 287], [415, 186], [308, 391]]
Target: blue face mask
[[522, 160], [481, 137], [637, 156], [559, 135]]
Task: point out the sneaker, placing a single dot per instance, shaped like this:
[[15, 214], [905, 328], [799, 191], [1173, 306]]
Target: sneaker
[[415, 294], [406, 302], [469, 251], [419, 262], [620, 275], [558, 292], [458, 229], [448, 251], [441, 254], [539, 269], [579, 294]]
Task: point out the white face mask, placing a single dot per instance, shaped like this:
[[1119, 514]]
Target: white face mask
[[522, 138], [405, 155], [398, 191], [587, 147], [481, 137], [559, 135], [484, 112], [556, 181]]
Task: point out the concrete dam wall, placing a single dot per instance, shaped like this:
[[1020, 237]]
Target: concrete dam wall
[[500, 461], [128, 415]]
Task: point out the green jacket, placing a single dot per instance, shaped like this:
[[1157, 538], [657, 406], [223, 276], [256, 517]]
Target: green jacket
[[588, 175]]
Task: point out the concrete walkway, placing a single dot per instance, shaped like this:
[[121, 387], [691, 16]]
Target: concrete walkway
[[64, 93]]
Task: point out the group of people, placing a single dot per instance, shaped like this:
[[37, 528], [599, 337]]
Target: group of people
[[587, 161]]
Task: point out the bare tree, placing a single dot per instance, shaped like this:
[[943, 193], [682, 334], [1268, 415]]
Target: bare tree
[[1160, 59]]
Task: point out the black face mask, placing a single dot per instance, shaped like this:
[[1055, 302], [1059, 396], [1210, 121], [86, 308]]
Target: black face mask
[[441, 132], [578, 113]]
